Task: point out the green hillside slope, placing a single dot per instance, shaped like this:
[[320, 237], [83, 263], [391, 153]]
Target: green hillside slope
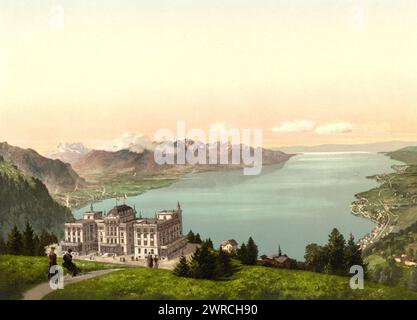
[[251, 282], [23, 198], [20, 273]]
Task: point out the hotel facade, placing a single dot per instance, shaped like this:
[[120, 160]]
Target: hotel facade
[[121, 233]]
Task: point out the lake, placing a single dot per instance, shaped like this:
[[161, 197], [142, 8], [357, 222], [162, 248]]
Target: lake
[[290, 205]]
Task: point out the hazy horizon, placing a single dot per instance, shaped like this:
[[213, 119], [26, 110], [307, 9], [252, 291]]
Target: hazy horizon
[[332, 72]]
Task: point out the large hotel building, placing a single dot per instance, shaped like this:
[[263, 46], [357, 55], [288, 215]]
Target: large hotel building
[[120, 232]]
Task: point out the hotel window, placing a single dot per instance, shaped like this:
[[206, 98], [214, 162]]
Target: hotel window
[[145, 242], [139, 242]]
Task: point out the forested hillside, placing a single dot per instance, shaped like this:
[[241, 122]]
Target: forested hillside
[[26, 199]]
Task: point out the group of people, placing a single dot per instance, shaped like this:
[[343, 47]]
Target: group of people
[[68, 264], [152, 262]]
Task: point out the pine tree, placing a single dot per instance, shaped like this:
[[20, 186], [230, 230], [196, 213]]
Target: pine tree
[[252, 252], [353, 254], [14, 242], [336, 253], [279, 251], [37, 246], [45, 240], [242, 253], [28, 243], [197, 238], [191, 237], [223, 264], [3, 248], [182, 269], [210, 244], [203, 263]]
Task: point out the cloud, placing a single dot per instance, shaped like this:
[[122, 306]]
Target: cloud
[[295, 126], [129, 141], [334, 128]]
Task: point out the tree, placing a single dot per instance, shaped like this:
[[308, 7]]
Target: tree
[[279, 251], [3, 248], [14, 242], [315, 258], [191, 236], [353, 254], [210, 244], [252, 252], [336, 253], [224, 267], [46, 239], [28, 241], [37, 246], [242, 252], [197, 238], [203, 263], [182, 269]]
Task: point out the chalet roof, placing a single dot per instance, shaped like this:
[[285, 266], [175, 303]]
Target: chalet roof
[[232, 242], [282, 259]]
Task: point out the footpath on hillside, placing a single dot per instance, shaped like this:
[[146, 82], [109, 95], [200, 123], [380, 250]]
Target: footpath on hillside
[[41, 290]]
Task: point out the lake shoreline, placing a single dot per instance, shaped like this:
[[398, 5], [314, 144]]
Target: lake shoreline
[[384, 223], [308, 193]]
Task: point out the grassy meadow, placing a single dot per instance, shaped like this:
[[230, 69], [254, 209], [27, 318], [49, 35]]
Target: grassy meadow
[[250, 282], [20, 273]]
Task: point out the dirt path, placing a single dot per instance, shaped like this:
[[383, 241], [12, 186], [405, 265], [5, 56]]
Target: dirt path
[[41, 290]]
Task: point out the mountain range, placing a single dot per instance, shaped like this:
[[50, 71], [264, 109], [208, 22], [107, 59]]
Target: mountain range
[[55, 174], [101, 161], [69, 152]]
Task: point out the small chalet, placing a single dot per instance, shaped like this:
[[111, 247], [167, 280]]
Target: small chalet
[[229, 246]]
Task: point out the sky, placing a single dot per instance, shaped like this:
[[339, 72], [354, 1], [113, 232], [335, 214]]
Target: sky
[[305, 72]]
